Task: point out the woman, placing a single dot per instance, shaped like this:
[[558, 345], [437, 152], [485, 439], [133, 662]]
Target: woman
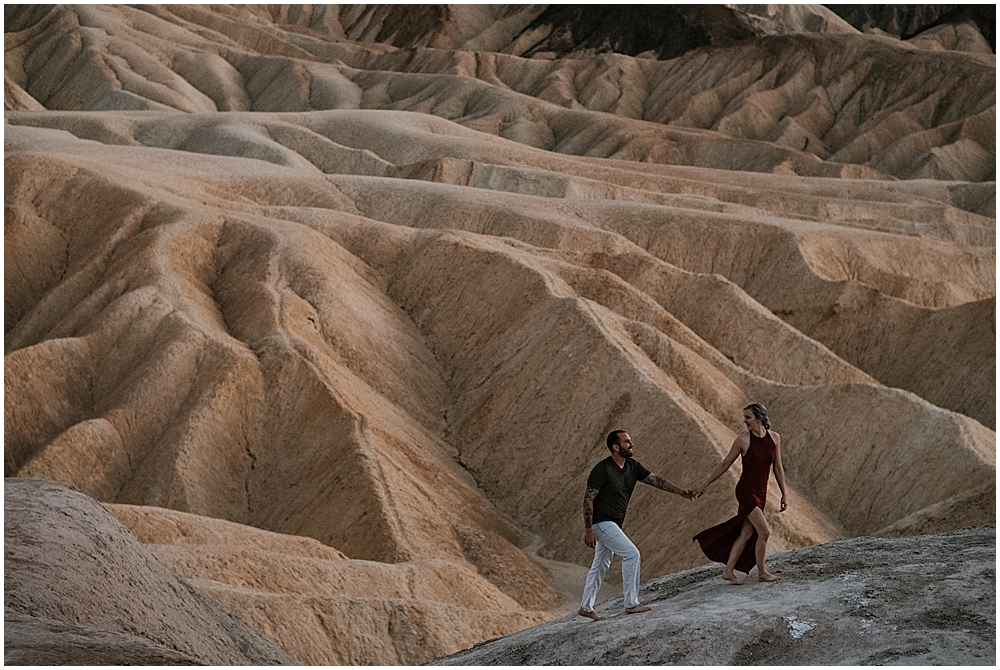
[[742, 541]]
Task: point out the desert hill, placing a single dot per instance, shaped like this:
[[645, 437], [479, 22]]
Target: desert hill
[[915, 600], [865, 601], [80, 590], [313, 298]]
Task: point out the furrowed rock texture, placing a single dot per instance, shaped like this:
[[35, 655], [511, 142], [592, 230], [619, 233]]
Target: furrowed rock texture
[[353, 294], [321, 606], [80, 590]]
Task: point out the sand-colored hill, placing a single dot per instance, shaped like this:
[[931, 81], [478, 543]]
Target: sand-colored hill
[[315, 300], [80, 590], [323, 607], [103, 598]]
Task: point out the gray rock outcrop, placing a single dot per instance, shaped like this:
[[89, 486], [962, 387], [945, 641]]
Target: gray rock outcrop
[[79, 589]]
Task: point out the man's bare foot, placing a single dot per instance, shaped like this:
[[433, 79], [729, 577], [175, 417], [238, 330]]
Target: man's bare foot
[[732, 578], [767, 577], [589, 615], [637, 609]]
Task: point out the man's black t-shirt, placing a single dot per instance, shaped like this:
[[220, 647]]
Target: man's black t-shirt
[[614, 488]]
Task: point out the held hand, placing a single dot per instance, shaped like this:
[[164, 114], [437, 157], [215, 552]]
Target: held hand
[[689, 494], [589, 538]]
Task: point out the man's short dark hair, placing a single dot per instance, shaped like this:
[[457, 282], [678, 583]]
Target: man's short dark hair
[[613, 439]]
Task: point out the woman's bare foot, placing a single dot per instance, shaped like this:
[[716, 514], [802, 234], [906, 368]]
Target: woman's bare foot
[[732, 578], [637, 609], [767, 577], [589, 615]]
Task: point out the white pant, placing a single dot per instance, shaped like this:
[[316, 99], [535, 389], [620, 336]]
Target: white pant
[[612, 540]]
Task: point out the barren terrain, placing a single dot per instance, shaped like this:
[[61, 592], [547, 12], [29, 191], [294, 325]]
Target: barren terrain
[[332, 306], [866, 601]]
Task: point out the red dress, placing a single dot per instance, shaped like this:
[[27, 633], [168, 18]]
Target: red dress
[[751, 491]]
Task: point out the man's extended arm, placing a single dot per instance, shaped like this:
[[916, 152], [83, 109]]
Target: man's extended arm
[[664, 485]]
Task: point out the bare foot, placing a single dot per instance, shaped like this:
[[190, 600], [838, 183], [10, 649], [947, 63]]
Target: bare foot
[[767, 577], [732, 578], [637, 609], [589, 615]]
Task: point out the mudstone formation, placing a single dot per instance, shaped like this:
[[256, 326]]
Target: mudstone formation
[[330, 307]]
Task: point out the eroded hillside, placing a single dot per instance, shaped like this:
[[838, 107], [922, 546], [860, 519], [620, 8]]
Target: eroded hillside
[[864, 601], [384, 280]]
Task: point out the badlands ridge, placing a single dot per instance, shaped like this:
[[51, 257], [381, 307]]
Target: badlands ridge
[[331, 308]]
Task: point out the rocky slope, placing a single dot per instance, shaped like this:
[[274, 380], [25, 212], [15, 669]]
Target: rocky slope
[[925, 600], [80, 590], [368, 285]]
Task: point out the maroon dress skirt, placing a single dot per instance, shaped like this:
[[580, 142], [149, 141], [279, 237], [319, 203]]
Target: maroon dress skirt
[[751, 491]]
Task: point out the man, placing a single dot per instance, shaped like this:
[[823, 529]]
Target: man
[[609, 488]]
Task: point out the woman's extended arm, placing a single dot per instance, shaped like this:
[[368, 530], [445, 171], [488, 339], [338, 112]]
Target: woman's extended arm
[[726, 463], [779, 470]]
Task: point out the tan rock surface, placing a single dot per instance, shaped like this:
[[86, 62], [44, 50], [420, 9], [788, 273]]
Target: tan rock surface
[[80, 590], [322, 607], [310, 311]]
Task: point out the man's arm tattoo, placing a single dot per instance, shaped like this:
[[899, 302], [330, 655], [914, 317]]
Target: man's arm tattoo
[[661, 483], [588, 507]]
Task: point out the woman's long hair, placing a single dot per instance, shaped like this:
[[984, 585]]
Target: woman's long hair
[[760, 412]]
